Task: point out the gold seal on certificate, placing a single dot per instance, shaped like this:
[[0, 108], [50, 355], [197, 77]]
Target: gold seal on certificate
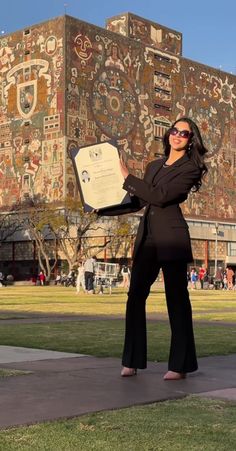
[[100, 181]]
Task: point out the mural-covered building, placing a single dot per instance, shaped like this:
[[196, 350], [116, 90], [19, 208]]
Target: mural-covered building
[[67, 83]]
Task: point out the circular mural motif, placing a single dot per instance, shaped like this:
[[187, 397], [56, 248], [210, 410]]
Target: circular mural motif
[[212, 129], [114, 103]]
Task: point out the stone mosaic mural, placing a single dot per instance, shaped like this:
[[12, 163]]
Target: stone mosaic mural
[[150, 33], [132, 90], [32, 143], [209, 97], [66, 83]]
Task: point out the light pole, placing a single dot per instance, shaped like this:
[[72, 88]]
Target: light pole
[[216, 246]]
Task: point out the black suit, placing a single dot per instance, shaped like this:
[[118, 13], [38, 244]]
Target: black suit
[[162, 242]]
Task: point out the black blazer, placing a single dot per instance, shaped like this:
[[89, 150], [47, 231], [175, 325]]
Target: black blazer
[[161, 192]]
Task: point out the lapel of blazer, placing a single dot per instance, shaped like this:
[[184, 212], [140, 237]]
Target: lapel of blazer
[[154, 170], [168, 170]]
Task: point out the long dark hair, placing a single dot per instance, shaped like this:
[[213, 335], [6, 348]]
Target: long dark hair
[[195, 148]]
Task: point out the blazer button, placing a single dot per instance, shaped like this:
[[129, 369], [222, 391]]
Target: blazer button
[[152, 213]]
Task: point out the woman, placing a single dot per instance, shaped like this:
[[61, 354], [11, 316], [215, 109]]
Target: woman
[[163, 242], [125, 272], [80, 279]]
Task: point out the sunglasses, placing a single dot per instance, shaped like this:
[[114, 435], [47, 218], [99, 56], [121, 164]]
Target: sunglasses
[[182, 133]]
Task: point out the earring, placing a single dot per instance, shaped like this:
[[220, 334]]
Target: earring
[[190, 146]]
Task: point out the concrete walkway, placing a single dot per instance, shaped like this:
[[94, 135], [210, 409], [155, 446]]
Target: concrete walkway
[[65, 385]]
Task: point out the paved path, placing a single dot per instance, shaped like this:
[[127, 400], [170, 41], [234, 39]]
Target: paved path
[[65, 385]]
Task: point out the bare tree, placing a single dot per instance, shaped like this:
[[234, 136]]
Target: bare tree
[[10, 223], [64, 230], [71, 233], [36, 219], [74, 230], [122, 231]]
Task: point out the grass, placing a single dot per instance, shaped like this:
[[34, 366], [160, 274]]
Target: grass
[[189, 424], [104, 338], [210, 305], [9, 372]]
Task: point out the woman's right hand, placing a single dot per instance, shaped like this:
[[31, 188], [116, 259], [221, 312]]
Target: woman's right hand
[[123, 168]]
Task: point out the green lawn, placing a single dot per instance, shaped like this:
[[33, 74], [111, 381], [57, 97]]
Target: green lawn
[[190, 424], [105, 338], [186, 424], [210, 305]]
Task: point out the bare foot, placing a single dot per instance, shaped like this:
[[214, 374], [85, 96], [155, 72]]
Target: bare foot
[[173, 376], [127, 372]]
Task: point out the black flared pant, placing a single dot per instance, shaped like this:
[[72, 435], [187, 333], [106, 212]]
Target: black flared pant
[[146, 266], [89, 278]]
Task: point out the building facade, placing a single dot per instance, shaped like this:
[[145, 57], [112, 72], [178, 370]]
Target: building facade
[[65, 83]]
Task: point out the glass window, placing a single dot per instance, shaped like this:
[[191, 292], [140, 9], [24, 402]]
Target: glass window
[[232, 249]]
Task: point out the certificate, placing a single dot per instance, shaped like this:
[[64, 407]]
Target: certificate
[[99, 177]]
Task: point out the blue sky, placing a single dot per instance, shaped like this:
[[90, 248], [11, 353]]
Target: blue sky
[[208, 26]]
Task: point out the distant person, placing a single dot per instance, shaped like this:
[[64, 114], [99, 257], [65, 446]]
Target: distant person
[[206, 279], [125, 272], [230, 276], [2, 280], [42, 278], [201, 275], [80, 279], [219, 279], [58, 279], [71, 279], [194, 279], [89, 267], [225, 281]]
